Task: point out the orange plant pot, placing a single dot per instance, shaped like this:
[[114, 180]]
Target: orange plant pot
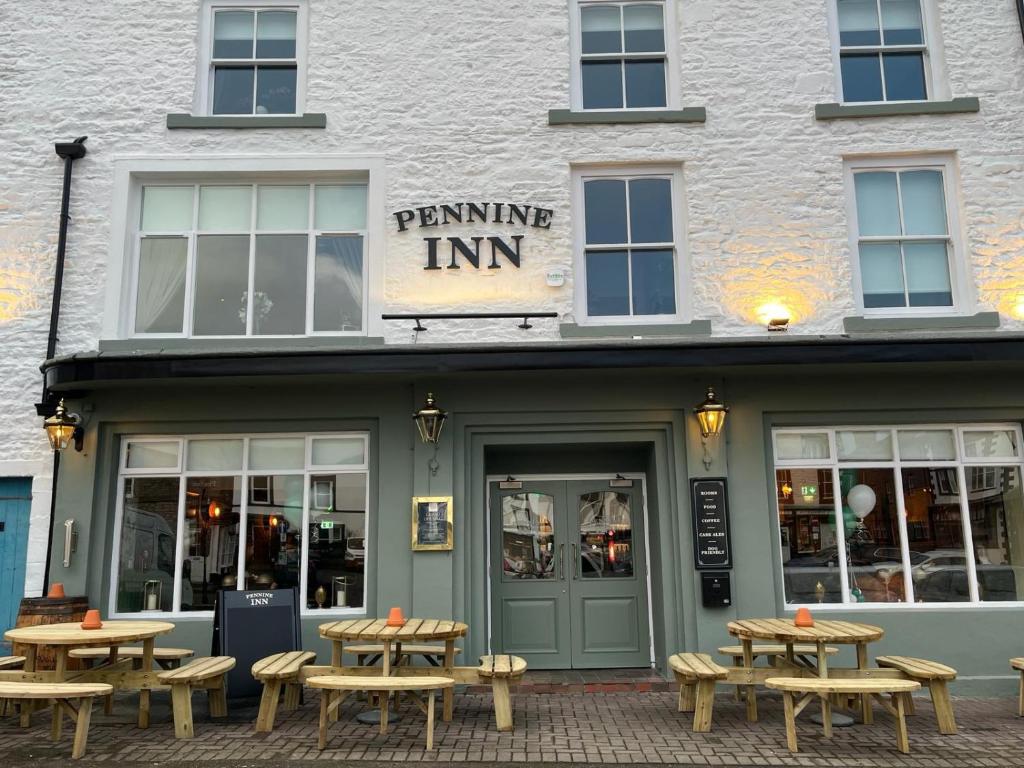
[[92, 619], [395, 617], [803, 618], [56, 590]]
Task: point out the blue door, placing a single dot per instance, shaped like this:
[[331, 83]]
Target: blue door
[[15, 501]]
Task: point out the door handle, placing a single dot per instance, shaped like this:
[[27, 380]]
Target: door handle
[[575, 562], [561, 562]]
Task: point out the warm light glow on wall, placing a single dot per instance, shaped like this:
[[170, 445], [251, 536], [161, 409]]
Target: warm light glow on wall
[[759, 295], [16, 295], [773, 310]]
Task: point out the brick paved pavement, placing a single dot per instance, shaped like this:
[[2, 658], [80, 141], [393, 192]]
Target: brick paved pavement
[[597, 728]]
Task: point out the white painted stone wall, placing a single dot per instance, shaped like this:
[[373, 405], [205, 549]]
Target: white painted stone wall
[[455, 94]]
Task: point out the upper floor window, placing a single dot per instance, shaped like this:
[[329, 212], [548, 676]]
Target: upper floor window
[[905, 237], [631, 238], [622, 55], [253, 59], [251, 259], [883, 50]]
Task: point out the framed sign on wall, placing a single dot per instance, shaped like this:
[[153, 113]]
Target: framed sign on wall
[[432, 523]]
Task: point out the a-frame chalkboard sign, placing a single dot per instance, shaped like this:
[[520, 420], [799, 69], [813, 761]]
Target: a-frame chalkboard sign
[[250, 625]]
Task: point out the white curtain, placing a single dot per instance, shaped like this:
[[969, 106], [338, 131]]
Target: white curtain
[[161, 284]]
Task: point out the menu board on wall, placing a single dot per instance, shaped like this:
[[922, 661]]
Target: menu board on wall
[[711, 543]]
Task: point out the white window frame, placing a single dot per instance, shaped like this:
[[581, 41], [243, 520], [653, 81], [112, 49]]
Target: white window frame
[[674, 173], [131, 174], [244, 474], [203, 104], [672, 86], [936, 84], [961, 463], [959, 276]]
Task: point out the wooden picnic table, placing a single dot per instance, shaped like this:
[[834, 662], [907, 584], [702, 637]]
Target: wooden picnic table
[[413, 631], [65, 637]]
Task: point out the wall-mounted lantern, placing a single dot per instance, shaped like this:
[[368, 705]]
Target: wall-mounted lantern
[[429, 420], [62, 428], [711, 416]]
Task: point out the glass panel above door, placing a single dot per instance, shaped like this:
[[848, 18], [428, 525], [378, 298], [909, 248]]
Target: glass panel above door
[[528, 536], [606, 535]]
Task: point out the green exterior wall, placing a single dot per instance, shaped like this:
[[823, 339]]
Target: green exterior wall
[[494, 417]]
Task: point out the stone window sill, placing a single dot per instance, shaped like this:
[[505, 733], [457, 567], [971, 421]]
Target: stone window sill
[[842, 111], [694, 328], [982, 321], [570, 117], [308, 120], [242, 345]]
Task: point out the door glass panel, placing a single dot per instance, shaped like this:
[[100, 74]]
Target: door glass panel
[[528, 536], [606, 535]]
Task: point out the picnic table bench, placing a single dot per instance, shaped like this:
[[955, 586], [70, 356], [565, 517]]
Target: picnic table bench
[[73, 698], [202, 674], [277, 671]]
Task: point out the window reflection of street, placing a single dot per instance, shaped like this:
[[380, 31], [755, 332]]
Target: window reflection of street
[[528, 544]]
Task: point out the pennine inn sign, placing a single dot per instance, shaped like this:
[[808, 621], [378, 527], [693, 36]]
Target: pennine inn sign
[[468, 248]]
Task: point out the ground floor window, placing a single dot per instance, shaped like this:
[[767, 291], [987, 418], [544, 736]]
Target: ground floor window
[[921, 514], [283, 511]]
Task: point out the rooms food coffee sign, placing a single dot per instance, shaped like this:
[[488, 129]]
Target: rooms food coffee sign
[[481, 250]]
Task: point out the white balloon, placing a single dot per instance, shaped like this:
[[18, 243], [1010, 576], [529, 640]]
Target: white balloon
[[861, 499]]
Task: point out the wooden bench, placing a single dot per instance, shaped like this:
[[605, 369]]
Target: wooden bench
[[12, 662], [73, 698], [202, 674], [934, 677], [280, 669], [370, 654], [823, 689], [336, 687], [697, 674], [166, 658], [1018, 664], [502, 670]]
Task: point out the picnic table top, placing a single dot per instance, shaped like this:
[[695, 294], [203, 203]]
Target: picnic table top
[[823, 631], [71, 633], [414, 630]]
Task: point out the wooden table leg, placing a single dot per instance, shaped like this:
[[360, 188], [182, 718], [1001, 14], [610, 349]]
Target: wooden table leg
[[108, 701], [336, 650], [448, 695], [27, 705], [748, 661], [60, 675], [866, 715], [144, 694]]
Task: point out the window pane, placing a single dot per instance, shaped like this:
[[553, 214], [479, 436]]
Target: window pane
[[807, 523], [166, 209], [858, 23], [936, 534], [901, 20], [152, 455], [904, 77], [803, 445], [605, 531], [881, 275], [991, 444], [213, 508], [654, 282], [528, 536], [601, 29], [232, 34], [604, 208], [277, 453], [273, 532], [160, 301], [874, 446], [607, 283], [602, 84], [650, 211], [338, 451], [928, 274], [337, 541], [279, 285], [878, 206], [997, 525], [225, 209], [275, 91], [644, 28], [149, 525], [924, 204], [871, 520], [645, 83], [214, 455], [282, 207], [926, 444], [341, 208], [222, 279], [338, 287], [862, 77], [232, 90], [275, 35]]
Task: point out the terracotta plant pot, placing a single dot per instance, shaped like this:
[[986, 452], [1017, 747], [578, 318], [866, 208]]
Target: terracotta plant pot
[[92, 619], [395, 617], [803, 618], [56, 590]]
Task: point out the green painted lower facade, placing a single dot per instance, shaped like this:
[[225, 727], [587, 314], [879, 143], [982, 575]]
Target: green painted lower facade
[[563, 423]]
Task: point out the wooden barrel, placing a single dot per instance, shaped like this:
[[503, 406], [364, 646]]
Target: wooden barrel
[[37, 611]]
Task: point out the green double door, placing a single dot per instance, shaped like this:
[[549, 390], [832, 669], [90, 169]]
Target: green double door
[[569, 574]]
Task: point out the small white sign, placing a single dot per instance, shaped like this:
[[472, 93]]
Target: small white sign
[[556, 278]]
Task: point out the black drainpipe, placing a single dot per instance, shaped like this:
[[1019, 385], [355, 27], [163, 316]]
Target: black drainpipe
[[69, 151], [1020, 13]]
